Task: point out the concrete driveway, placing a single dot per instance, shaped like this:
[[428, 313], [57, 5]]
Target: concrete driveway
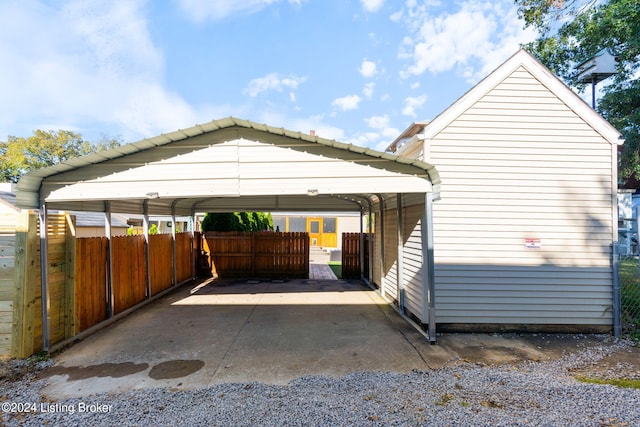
[[271, 332]]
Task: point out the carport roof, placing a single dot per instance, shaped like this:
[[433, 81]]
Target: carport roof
[[223, 165]]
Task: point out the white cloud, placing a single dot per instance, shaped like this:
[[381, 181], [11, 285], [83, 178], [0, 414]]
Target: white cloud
[[396, 17], [377, 122], [372, 5], [412, 103], [368, 69], [368, 88], [88, 62], [276, 118], [272, 81], [476, 38], [349, 102], [204, 10]]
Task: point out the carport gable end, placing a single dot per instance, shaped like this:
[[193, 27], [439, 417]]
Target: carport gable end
[[223, 159]]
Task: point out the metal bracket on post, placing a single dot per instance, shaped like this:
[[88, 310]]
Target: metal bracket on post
[[44, 279]]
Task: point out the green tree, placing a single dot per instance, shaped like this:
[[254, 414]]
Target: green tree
[[237, 221], [572, 31], [20, 155]]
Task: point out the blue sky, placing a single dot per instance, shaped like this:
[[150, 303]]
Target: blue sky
[[358, 71]]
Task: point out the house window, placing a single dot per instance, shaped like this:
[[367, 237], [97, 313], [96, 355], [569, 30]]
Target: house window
[[297, 224], [329, 225]]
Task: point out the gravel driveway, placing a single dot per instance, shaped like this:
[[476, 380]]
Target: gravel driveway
[[523, 394]]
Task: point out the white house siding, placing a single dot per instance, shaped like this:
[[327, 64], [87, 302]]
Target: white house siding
[[389, 287], [520, 167], [412, 256]]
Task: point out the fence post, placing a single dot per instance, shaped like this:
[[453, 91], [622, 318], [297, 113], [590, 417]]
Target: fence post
[[44, 278], [616, 292], [70, 276], [25, 282]]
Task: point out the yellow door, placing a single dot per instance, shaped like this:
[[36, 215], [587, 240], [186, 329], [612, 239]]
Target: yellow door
[[314, 228]]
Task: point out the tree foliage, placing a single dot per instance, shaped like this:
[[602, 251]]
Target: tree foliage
[[44, 148], [572, 31], [237, 221]]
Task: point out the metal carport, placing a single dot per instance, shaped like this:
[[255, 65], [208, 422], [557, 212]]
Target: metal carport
[[238, 165]]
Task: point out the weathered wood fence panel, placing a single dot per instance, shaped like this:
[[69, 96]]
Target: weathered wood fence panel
[[90, 282], [129, 279], [183, 257], [258, 254], [351, 255], [160, 255]]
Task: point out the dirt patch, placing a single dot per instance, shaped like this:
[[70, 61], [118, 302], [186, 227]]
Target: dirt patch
[[175, 369], [513, 348], [621, 364], [114, 370]]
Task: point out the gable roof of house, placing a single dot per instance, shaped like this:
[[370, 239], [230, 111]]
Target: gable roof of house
[[521, 58], [227, 164]]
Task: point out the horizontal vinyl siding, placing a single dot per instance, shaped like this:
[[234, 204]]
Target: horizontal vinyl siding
[[518, 165], [412, 252], [390, 274]]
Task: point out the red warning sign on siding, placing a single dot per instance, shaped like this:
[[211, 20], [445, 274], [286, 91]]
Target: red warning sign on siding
[[530, 243]]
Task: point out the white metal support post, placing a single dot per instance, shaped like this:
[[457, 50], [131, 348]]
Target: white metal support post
[[361, 244], [428, 267], [400, 268], [147, 254], [381, 220], [194, 256], [371, 256], [174, 254], [107, 232], [44, 279]]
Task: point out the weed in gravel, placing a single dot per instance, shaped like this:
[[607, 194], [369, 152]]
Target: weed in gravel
[[618, 382]]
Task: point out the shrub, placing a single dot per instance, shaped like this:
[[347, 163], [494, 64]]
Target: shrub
[[237, 221]]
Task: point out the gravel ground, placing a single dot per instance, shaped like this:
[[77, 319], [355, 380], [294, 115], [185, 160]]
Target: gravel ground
[[527, 394]]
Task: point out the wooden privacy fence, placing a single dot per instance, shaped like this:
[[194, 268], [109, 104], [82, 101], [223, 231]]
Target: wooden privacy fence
[[77, 278], [8, 225], [129, 271], [258, 254], [351, 256]]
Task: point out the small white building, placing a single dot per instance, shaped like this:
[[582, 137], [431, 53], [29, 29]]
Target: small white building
[[325, 228], [524, 227]]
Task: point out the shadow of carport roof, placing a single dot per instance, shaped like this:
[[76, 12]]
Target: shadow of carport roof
[[226, 165]]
